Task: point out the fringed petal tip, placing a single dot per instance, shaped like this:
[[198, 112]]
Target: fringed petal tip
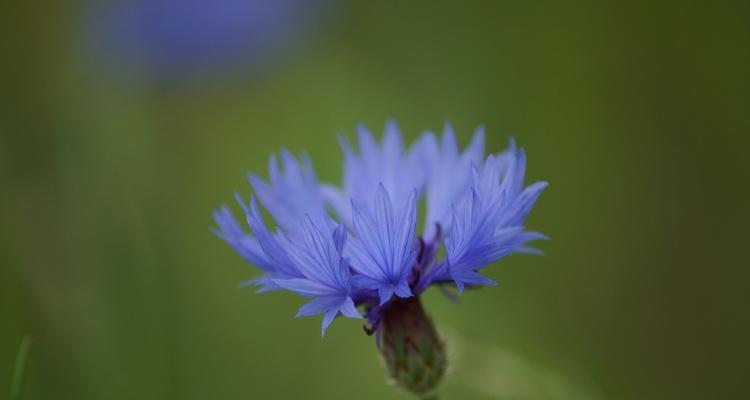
[[330, 308], [264, 284], [470, 278]]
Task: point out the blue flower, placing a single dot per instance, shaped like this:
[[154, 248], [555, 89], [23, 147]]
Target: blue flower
[[371, 256], [175, 40]]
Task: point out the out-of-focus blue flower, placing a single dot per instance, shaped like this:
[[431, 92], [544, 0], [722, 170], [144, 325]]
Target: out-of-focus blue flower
[[373, 257], [174, 39]]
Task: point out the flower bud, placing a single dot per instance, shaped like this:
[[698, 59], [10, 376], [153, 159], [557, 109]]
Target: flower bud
[[413, 353]]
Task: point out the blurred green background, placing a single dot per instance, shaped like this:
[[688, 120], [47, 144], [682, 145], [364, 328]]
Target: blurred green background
[[637, 113]]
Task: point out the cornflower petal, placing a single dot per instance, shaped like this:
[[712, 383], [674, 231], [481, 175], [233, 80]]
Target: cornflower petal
[[290, 194], [387, 164], [382, 246], [488, 223], [447, 180], [317, 256]]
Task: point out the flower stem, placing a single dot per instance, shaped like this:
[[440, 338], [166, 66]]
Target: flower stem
[[18, 370]]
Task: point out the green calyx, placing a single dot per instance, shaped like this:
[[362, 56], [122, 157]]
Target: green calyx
[[413, 353]]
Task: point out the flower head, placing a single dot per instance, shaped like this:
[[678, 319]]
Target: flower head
[[181, 40], [368, 253]]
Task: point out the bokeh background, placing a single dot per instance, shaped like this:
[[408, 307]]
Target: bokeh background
[[123, 124]]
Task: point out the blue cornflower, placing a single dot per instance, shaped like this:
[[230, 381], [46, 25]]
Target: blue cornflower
[[176, 40], [366, 252]]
